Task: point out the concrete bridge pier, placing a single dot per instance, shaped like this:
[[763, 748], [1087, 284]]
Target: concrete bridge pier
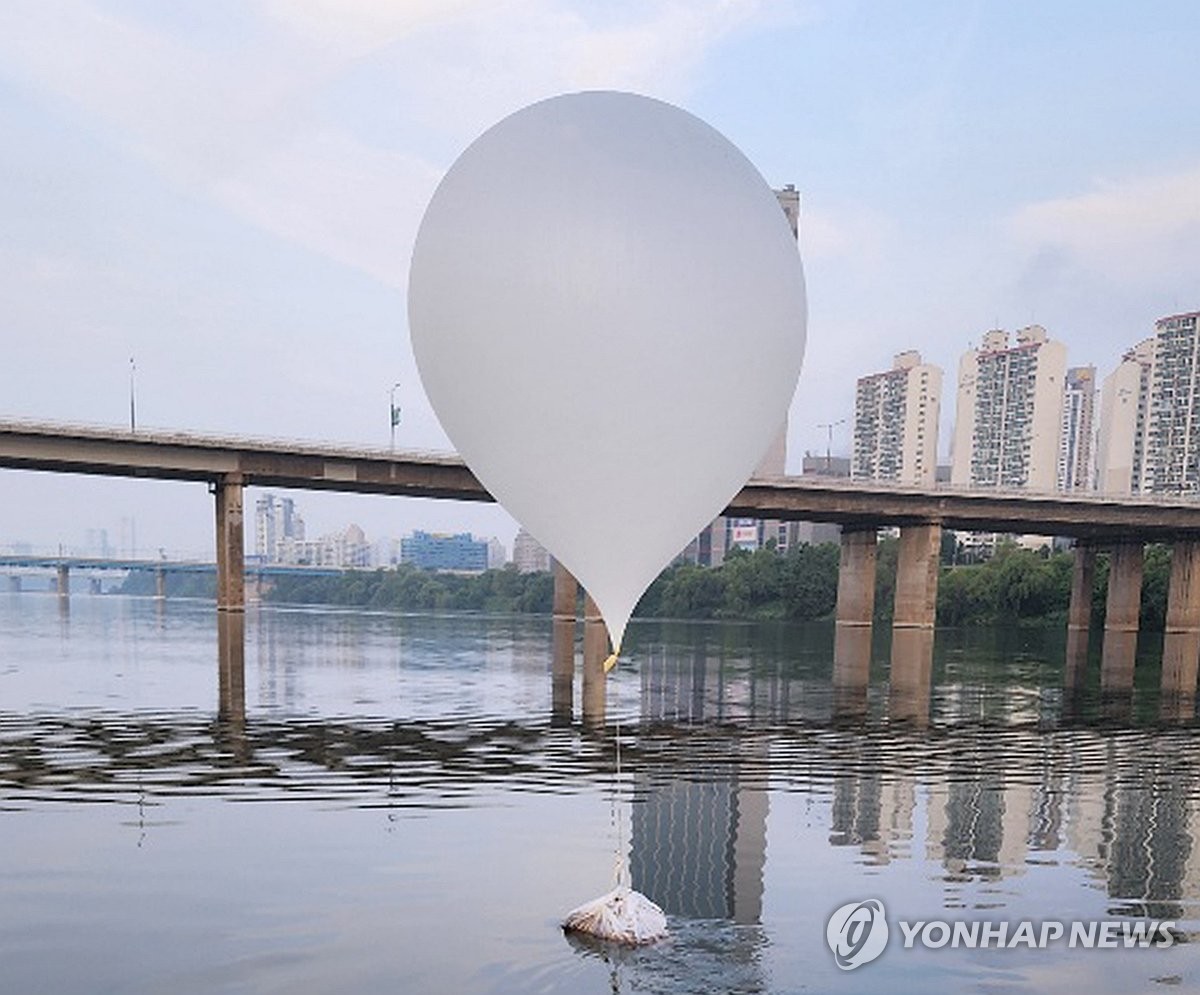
[[562, 674], [1079, 614], [160, 583], [63, 581], [231, 601], [915, 610], [14, 584], [595, 652], [1181, 641], [855, 616], [1121, 617], [257, 586], [912, 675], [231, 667], [855, 609], [231, 567], [566, 593]]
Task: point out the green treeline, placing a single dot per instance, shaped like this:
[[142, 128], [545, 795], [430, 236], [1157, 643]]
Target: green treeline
[[1014, 585], [179, 585], [407, 588]]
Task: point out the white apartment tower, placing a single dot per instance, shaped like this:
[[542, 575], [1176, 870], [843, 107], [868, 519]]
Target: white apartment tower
[[896, 416], [1125, 422], [529, 555], [1076, 438], [275, 521], [1172, 462], [1009, 412]]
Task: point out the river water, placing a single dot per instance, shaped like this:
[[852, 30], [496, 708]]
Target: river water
[[404, 805]]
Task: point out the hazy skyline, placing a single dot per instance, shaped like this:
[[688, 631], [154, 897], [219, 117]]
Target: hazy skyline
[[228, 192]]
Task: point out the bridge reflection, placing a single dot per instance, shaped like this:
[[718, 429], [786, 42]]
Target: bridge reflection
[[717, 737]]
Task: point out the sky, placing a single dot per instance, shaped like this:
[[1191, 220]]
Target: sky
[[228, 191]]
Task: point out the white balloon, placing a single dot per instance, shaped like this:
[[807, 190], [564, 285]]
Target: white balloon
[[608, 313]]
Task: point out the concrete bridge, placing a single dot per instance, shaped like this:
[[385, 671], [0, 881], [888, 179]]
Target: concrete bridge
[[63, 563], [1123, 525]]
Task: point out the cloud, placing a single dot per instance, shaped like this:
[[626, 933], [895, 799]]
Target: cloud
[[660, 52], [1138, 230], [254, 129], [845, 232], [357, 205], [353, 28]]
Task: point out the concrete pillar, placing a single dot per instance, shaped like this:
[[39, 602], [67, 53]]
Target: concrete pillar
[[231, 570], [1181, 641], [566, 592], [855, 609], [63, 584], [160, 583], [1175, 708], [915, 611], [257, 586], [852, 646], [911, 677], [562, 681], [917, 576], [1079, 614], [231, 679], [595, 652], [562, 673], [14, 584], [1121, 617]]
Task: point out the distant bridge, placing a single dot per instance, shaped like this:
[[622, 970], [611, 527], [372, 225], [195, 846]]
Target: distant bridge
[[64, 563], [55, 561]]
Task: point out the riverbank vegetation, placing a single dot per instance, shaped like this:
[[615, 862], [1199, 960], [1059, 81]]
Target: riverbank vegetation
[[1015, 585]]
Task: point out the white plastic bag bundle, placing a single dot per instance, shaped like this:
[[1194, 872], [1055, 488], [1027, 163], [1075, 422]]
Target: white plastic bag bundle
[[622, 916]]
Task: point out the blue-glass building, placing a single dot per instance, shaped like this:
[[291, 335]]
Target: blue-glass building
[[433, 551]]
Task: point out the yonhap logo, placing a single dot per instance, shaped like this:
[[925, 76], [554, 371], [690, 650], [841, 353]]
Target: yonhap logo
[[857, 933]]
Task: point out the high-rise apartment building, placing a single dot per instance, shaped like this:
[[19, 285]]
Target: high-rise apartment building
[[1125, 422], [1172, 460], [1150, 414], [346, 550], [1009, 412], [497, 555], [275, 520], [529, 555], [1077, 435], [896, 422]]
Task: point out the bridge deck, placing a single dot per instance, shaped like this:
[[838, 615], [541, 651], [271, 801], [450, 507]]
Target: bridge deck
[[310, 466]]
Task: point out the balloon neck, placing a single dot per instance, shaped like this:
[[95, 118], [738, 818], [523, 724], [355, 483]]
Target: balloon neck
[[612, 658]]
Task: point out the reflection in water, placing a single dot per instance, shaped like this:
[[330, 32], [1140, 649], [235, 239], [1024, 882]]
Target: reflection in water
[[595, 683], [699, 842], [987, 782], [1117, 660], [231, 666], [911, 674], [1122, 802], [1076, 658]]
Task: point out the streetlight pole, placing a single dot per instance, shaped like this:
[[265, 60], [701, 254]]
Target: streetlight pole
[[132, 402], [393, 413], [830, 426]]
